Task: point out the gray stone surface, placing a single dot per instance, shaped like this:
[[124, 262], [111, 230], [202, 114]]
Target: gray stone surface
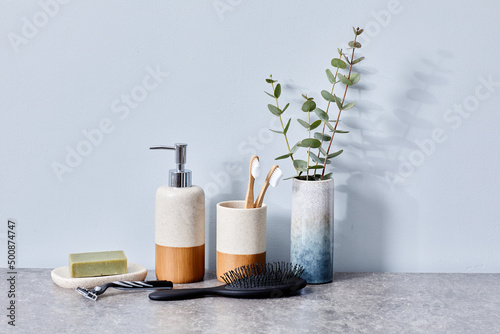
[[352, 303]]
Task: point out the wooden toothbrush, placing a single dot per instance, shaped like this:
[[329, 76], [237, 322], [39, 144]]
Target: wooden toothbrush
[[273, 177], [254, 173]]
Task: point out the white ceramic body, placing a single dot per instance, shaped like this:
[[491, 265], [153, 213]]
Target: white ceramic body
[[180, 234], [241, 236], [180, 217], [312, 229], [241, 231]]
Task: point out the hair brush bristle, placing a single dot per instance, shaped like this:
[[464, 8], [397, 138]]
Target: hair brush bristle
[[262, 275]]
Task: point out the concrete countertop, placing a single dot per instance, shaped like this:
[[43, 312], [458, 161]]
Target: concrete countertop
[[353, 303]]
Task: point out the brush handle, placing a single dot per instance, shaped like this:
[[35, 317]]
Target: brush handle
[[181, 294], [223, 290], [249, 198], [260, 198]]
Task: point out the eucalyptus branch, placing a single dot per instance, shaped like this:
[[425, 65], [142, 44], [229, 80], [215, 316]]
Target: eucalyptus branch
[[328, 104], [276, 94], [347, 82], [327, 108], [322, 159]]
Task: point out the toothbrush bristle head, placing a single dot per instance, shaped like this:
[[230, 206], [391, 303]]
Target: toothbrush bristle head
[[275, 177], [255, 167]]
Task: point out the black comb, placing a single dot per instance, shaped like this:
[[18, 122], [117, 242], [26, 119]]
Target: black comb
[[258, 280]]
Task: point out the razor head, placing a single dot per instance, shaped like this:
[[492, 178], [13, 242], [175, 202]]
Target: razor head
[[87, 293]]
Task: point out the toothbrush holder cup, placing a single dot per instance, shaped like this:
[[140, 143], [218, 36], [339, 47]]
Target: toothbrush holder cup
[[241, 236]]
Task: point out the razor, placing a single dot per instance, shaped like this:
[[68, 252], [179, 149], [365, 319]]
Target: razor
[[125, 285]]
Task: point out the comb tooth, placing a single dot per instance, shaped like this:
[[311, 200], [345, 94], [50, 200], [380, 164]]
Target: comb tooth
[[246, 270], [238, 274], [233, 276]]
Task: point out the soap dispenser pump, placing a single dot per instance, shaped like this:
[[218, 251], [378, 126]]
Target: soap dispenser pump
[[179, 224]]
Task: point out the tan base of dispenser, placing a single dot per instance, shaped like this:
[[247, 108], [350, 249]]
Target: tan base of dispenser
[[227, 262], [180, 264]]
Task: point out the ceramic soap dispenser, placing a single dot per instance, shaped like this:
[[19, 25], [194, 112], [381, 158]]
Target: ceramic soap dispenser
[[179, 224]]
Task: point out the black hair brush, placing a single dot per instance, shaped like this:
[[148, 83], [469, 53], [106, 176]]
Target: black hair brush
[[258, 280]]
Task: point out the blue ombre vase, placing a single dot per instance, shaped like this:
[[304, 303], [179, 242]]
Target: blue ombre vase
[[312, 229]]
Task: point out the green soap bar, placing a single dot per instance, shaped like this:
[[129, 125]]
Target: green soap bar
[[97, 264]]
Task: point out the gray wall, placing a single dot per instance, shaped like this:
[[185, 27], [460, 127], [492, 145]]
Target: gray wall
[[417, 187]]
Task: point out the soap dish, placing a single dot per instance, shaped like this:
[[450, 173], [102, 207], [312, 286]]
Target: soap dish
[[62, 277]]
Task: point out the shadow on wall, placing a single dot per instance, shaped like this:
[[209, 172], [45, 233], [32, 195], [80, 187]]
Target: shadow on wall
[[381, 155]]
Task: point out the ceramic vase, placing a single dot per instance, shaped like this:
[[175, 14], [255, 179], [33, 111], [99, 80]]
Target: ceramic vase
[[312, 229]]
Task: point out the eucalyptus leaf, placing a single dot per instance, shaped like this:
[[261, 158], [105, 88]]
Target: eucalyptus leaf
[[322, 161], [327, 96], [303, 123], [327, 176], [286, 107], [315, 124], [348, 106], [300, 165], [341, 131], [330, 126], [360, 31], [310, 142], [271, 95], [354, 78], [322, 150], [270, 81], [295, 147], [336, 62], [316, 167], [353, 44], [355, 61], [322, 136], [333, 155], [315, 158], [308, 106], [277, 91], [284, 156], [338, 102], [344, 80], [276, 111], [287, 126], [276, 131], [330, 76], [321, 114]]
